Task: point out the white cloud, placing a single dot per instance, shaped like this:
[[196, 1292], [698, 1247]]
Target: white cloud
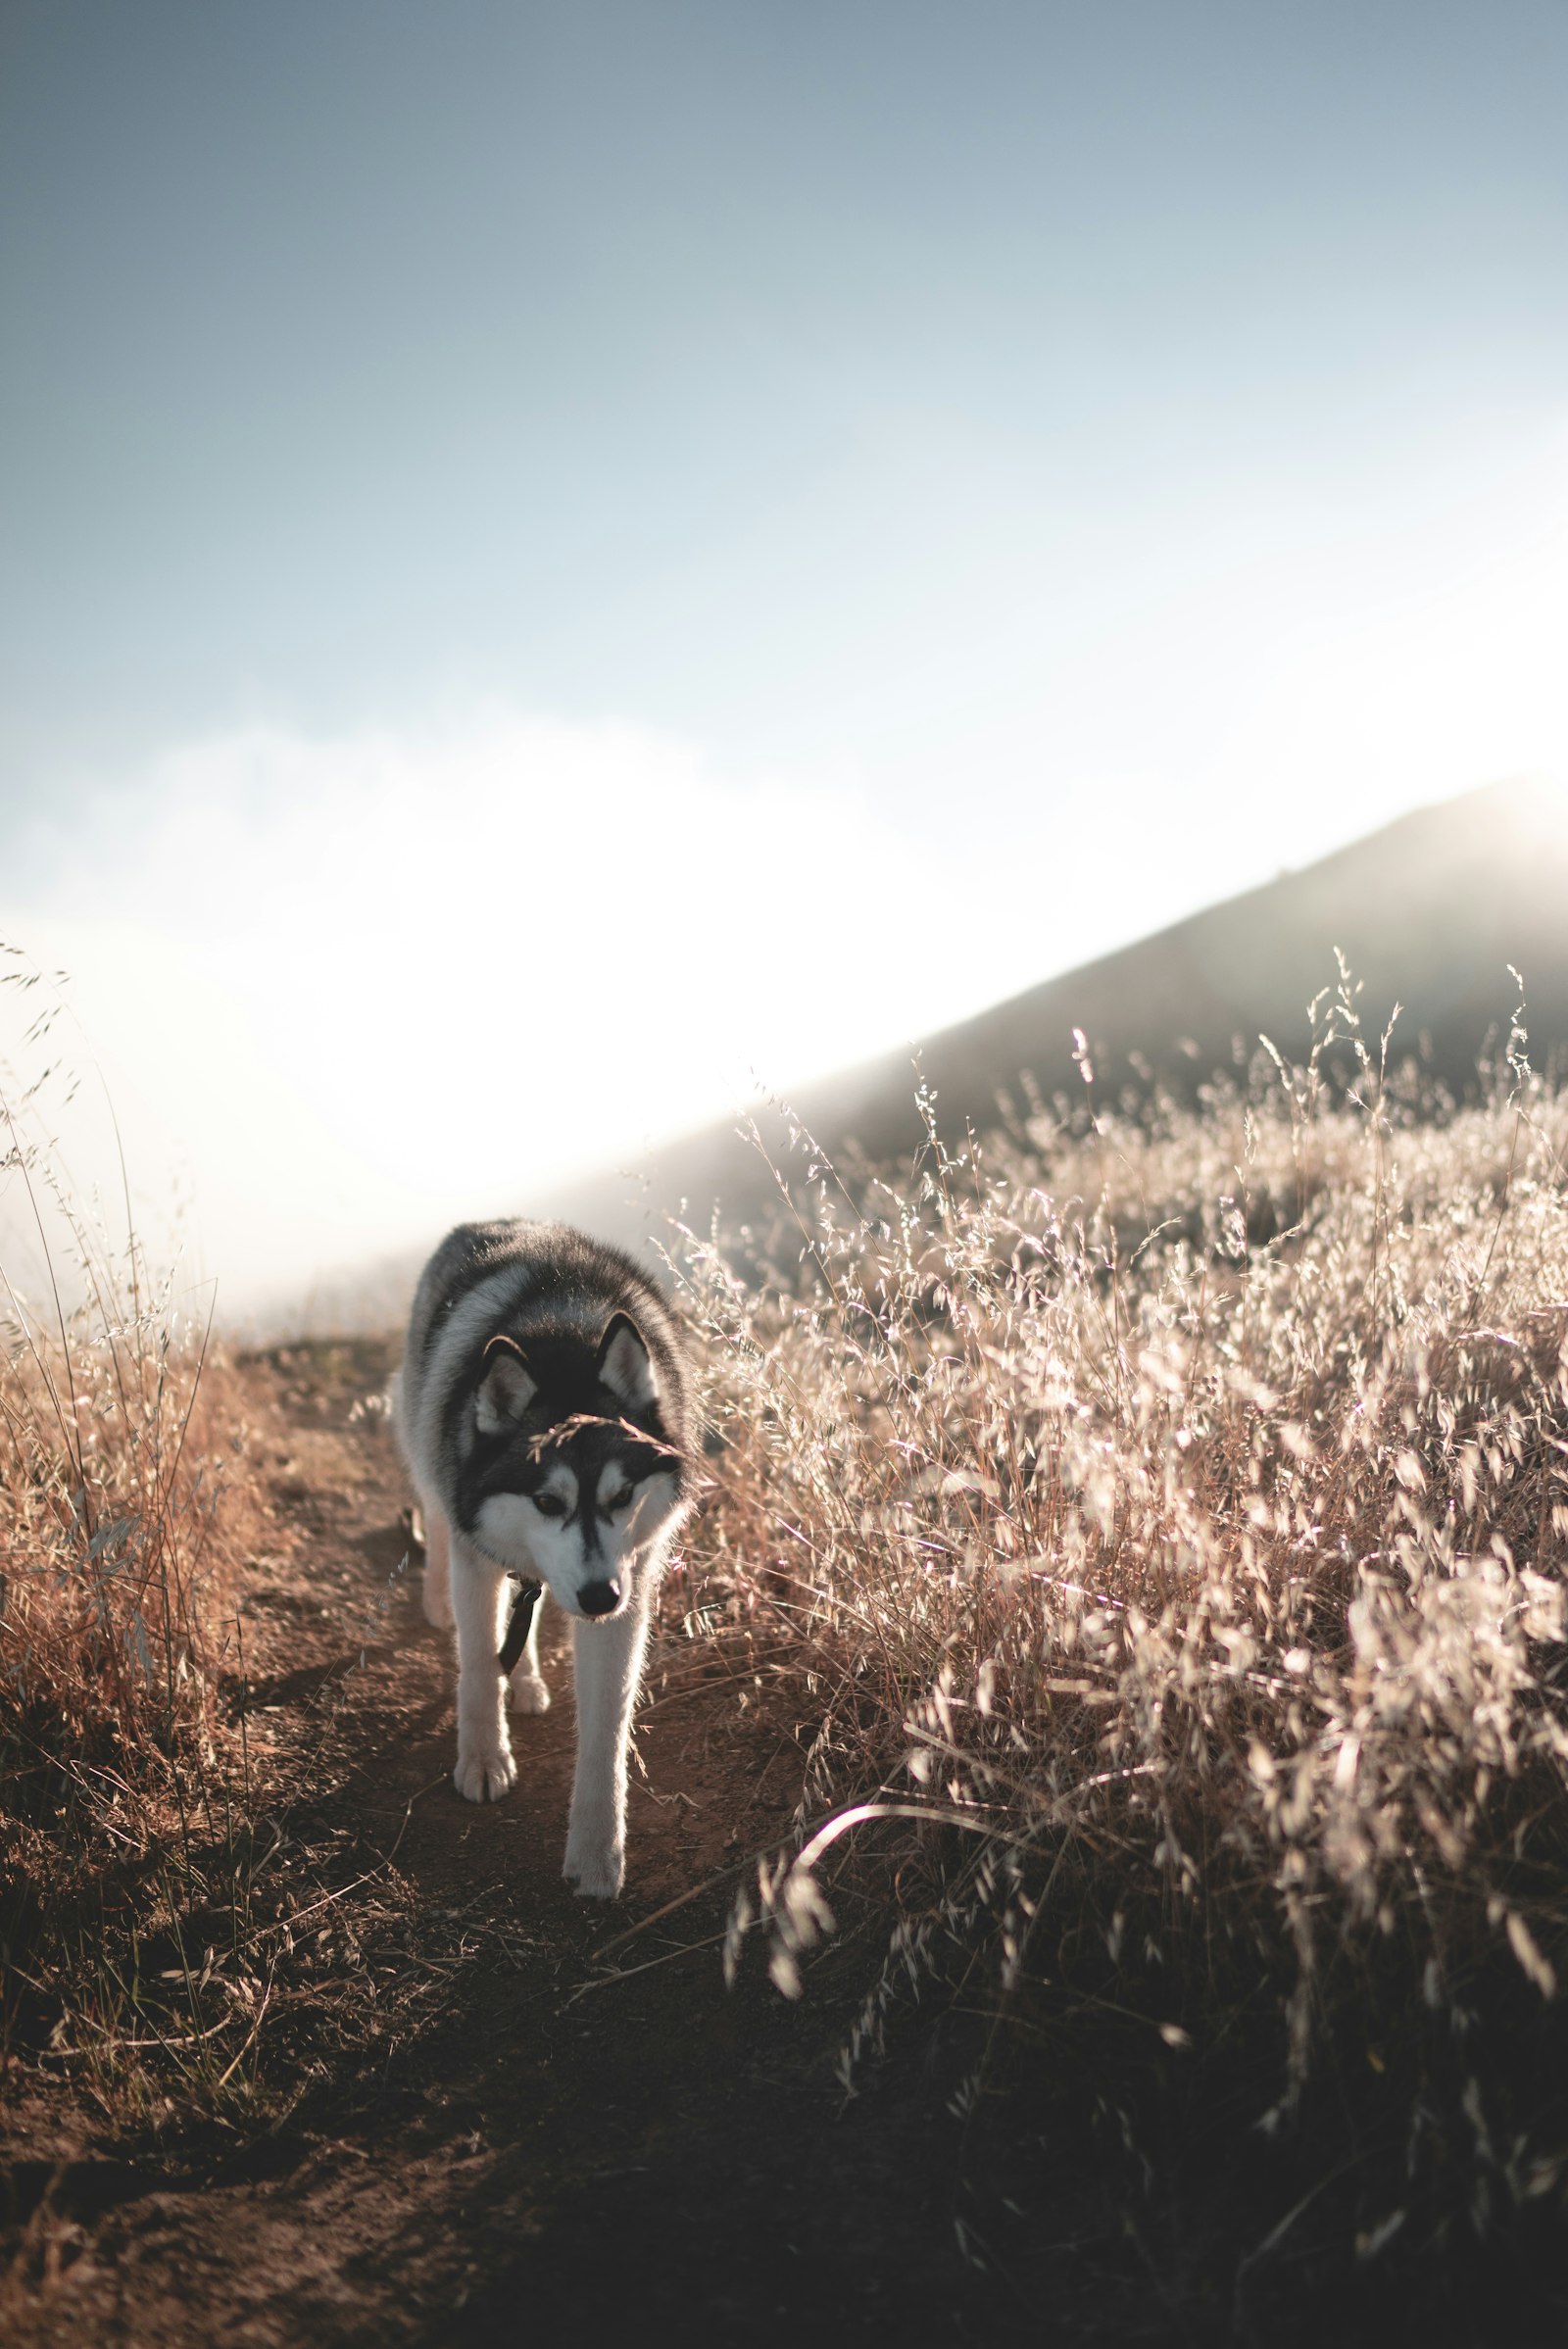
[[347, 987], [350, 988]]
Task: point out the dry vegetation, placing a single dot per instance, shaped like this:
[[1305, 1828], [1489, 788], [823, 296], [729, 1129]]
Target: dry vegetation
[[1163, 1524], [1158, 1526], [121, 1522]]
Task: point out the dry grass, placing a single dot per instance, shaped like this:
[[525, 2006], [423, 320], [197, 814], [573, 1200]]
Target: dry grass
[[122, 1520], [1179, 1611], [118, 1538], [1153, 1529]]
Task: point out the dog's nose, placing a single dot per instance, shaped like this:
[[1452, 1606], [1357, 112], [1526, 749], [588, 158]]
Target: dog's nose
[[599, 1599]]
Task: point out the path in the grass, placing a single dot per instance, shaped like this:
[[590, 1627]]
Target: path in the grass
[[487, 2116]]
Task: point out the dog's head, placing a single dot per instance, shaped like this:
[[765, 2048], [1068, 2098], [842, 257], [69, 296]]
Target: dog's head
[[575, 1469]]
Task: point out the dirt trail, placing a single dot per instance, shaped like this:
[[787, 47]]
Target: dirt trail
[[498, 2116]]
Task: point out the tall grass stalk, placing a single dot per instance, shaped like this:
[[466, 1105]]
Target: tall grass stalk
[[119, 1528], [1171, 1552]]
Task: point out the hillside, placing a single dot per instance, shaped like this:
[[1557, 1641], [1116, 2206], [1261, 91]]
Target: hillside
[[1429, 912], [1100, 1833]]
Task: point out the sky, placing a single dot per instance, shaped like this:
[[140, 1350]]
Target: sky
[[561, 561]]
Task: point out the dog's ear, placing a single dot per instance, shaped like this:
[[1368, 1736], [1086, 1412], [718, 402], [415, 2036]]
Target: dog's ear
[[624, 1365], [507, 1388]]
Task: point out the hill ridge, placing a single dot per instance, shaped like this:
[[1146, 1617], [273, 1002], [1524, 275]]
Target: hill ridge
[[1430, 911]]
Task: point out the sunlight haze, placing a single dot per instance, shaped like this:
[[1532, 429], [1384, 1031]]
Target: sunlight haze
[[561, 565]]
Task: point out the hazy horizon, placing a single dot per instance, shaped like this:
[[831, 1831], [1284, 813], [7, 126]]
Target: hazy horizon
[[560, 563]]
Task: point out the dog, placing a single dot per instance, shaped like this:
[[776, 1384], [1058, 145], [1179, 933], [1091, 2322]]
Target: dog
[[544, 1412]]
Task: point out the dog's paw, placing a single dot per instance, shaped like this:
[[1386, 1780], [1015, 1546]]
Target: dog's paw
[[485, 1775], [597, 1872], [528, 1692]]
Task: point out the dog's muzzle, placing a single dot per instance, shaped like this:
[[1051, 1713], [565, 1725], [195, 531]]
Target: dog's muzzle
[[599, 1599]]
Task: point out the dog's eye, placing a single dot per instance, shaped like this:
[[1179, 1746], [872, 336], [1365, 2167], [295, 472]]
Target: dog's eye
[[618, 1500], [549, 1505]]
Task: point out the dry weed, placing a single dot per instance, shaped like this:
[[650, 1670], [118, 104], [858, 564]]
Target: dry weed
[[1181, 1611], [122, 1520]]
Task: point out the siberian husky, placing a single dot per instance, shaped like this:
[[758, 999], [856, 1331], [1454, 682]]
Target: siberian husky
[[544, 1413]]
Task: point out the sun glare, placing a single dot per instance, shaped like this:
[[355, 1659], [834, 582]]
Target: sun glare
[[397, 980]]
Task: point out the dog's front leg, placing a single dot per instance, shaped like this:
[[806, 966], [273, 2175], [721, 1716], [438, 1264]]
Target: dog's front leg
[[485, 1768], [437, 1570], [528, 1692], [608, 1662]]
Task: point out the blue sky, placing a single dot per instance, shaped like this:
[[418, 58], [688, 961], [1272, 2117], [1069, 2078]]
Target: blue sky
[[1097, 455]]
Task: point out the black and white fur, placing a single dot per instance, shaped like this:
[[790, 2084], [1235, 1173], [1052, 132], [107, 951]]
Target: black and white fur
[[544, 1413]]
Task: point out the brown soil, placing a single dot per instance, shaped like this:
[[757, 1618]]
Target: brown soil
[[481, 2100]]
